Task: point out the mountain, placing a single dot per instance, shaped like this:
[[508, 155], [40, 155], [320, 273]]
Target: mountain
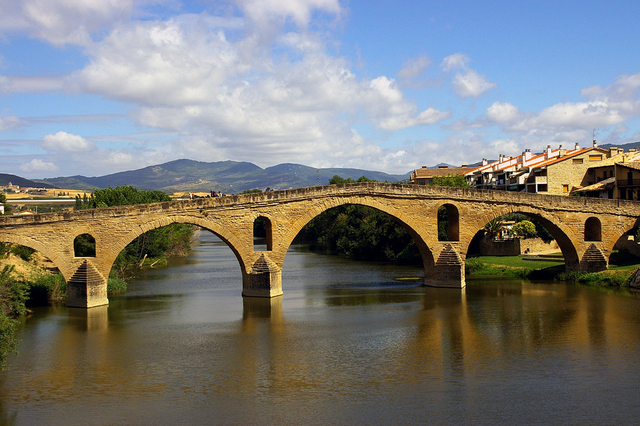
[[225, 176], [5, 179], [626, 146]]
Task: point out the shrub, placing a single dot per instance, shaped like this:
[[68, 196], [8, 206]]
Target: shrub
[[115, 285], [47, 288], [23, 252]]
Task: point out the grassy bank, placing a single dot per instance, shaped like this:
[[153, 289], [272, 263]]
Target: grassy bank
[[622, 267]]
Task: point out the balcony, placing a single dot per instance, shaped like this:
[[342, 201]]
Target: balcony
[[626, 183]]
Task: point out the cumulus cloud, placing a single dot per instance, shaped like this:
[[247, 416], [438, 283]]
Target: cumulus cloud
[[502, 112], [63, 22], [37, 165], [187, 76], [570, 122], [466, 82], [65, 142]]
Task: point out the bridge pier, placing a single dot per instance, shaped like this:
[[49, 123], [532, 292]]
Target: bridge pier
[[448, 271], [86, 288], [593, 260], [263, 280]]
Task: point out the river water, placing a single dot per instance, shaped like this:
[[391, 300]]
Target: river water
[[348, 343]]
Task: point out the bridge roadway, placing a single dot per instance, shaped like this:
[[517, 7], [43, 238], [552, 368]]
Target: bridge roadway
[[586, 229]]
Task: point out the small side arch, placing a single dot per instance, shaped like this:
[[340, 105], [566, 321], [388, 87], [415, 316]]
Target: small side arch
[[448, 223], [262, 228], [84, 245], [593, 229]]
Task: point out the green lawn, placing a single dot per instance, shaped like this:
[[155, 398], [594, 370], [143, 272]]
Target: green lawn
[[516, 262]]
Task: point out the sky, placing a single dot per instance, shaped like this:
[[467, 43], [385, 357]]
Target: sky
[[93, 87]]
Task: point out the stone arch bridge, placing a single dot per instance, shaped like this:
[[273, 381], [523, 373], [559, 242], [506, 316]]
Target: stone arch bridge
[[586, 229]]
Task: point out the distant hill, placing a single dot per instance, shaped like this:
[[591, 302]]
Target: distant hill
[[626, 146], [5, 179], [225, 176]]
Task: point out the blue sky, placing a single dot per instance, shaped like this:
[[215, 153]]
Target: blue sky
[[94, 87]]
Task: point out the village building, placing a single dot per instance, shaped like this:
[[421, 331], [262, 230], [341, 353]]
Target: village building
[[425, 175], [554, 171]]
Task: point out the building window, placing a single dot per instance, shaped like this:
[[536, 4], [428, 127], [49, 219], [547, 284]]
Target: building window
[[595, 157], [577, 161], [542, 188], [565, 188]]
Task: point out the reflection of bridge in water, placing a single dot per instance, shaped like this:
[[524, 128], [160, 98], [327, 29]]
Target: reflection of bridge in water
[[585, 229]]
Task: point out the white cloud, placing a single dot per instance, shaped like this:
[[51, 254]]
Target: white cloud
[[470, 84], [63, 22], [454, 62], [502, 112], [11, 122], [262, 11], [65, 142], [414, 67], [37, 165], [235, 99], [466, 82], [30, 84]]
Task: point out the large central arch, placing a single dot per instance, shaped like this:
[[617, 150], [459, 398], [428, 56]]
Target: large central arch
[[407, 223]]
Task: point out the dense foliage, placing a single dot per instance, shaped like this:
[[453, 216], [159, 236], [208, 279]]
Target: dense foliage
[[523, 229], [458, 181], [119, 196], [13, 295], [3, 199], [360, 232]]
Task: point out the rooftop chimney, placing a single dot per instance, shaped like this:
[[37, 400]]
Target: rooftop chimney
[[484, 162], [577, 146], [561, 152], [595, 144], [547, 154]]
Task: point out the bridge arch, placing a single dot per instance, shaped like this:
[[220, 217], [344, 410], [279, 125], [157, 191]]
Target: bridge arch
[[263, 220], [220, 231], [51, 254], [410, 224], [449, 215], [593, 229], [563, 235], [84, 245]]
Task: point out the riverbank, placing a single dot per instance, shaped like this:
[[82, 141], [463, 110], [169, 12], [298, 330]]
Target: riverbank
[[622, 268]]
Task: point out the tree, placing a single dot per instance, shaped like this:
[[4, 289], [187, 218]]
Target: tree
[[458, 181], [3, 199], [523, 229], [493, 228], [337, 180]]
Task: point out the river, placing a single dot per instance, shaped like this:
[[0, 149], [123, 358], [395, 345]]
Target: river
[[348, 343]]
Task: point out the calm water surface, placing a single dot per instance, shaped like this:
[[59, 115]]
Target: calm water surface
[[347, 344]]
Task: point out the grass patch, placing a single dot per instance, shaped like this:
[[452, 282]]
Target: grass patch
[[610, 279], [619, 274]]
